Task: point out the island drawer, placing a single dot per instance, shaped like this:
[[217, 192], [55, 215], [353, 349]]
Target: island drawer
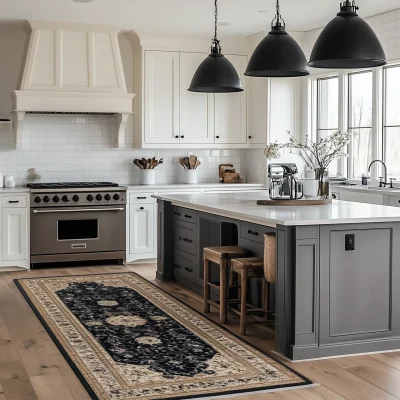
[[252, 232], [185, 236], [184, 265], [185, 214]]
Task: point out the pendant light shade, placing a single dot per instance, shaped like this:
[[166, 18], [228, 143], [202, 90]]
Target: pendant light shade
[[347, 42], [216, 74], [278, 54]]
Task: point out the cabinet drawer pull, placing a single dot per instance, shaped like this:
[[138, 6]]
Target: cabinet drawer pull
[[188, 216], [186, 240], [13, 201], [178, 214], [141, 198], [250, 232], [177, 266], [188, 269]]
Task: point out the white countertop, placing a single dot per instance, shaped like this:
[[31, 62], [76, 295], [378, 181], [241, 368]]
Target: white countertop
[[18, 189], [217, 185], [242, 206]]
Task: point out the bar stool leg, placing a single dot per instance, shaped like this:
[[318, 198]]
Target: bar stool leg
[[223, 291], [206, 305], [243, 303], [266, 298]]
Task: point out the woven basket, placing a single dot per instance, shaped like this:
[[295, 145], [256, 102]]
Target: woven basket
[[270, 257]]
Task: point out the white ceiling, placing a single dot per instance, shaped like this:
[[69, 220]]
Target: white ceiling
[[189, 16]]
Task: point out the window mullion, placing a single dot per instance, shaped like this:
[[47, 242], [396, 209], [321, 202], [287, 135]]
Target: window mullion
[[377, 118], [343, 119]]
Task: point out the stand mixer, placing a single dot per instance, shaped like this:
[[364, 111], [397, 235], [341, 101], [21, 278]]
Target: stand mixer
[[283, 184]]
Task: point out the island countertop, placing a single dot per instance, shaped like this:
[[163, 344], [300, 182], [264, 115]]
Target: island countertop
[[243, 206]]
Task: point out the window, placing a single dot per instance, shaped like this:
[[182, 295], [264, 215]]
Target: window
[[391, 120], [360, 122], [328, 112]]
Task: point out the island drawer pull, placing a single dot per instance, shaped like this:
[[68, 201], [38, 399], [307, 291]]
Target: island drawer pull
[[188, 269], [141, 198], [177, 266], [186, 240], [188, 216], [176, 213], [250, 232], [13, 201]]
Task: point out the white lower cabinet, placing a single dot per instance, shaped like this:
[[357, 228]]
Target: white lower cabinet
[[15, 234], [141, 223], [14, 242]]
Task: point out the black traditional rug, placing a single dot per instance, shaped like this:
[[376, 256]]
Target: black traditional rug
[[126, 338]]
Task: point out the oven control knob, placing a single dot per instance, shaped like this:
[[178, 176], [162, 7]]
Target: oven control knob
[[107, 197], [37, 199], [46, 199], [56, 199], [75, 198], [90, 197], [116, 197], [65, 198], [99, 197]]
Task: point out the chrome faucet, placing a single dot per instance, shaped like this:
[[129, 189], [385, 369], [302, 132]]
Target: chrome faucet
[[381, 183]]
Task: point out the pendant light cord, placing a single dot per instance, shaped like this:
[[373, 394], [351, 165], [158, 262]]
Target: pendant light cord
[[278, 21], [216, 47]]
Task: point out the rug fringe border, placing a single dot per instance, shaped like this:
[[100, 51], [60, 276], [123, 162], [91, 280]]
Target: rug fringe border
[[266, 391]]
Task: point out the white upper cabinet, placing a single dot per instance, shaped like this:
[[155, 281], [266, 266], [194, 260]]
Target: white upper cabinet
[[161, 97], [258, 110], [283, 109], [231, 109], [196, 109]]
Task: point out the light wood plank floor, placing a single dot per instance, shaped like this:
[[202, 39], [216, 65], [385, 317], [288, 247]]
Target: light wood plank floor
[[31, 367]]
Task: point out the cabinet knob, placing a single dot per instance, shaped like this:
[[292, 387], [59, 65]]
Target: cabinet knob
[[176, 137], [216, 137], [142, 208], [249, 137], [182, 137]]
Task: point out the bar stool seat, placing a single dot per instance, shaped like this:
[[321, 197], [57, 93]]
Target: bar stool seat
[[248, 268], [222, 256]]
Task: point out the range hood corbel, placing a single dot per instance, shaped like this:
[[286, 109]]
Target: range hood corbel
[[73, 69]]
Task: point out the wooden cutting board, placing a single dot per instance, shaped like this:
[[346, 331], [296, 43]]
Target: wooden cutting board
[[295, 203]]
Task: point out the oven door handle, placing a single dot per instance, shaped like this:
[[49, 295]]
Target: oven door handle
[[77, 210]]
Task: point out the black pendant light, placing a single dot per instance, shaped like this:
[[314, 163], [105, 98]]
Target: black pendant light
[[347, 42], [216, 74], [278, 54]]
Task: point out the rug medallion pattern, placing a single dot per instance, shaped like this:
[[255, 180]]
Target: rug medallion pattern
[[128, 339]]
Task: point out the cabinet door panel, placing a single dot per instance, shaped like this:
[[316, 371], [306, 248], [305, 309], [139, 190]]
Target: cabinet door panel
[[196, 109], [15, 234], [356, 286], [141, 228], [231, 109], [161, 97]]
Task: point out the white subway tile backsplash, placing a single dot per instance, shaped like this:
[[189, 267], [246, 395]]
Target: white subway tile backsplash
[[80, 148]]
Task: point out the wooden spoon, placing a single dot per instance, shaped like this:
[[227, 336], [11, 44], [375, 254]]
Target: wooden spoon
[[186, 161], [182, 163], [197, 164], [192, 161], [137, 163], [144, 162]]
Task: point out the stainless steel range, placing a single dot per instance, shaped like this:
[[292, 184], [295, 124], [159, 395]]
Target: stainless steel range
[[77, 222]]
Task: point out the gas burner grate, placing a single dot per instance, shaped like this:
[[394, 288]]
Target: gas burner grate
[[71, 185]]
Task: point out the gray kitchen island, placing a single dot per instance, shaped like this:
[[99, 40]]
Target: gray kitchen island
[[338, 265]]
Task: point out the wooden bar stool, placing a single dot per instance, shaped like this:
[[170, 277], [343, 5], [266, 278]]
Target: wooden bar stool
[[248, 268], [221, 256]]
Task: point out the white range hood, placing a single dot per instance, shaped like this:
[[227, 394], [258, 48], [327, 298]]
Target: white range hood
[[73, 69]]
